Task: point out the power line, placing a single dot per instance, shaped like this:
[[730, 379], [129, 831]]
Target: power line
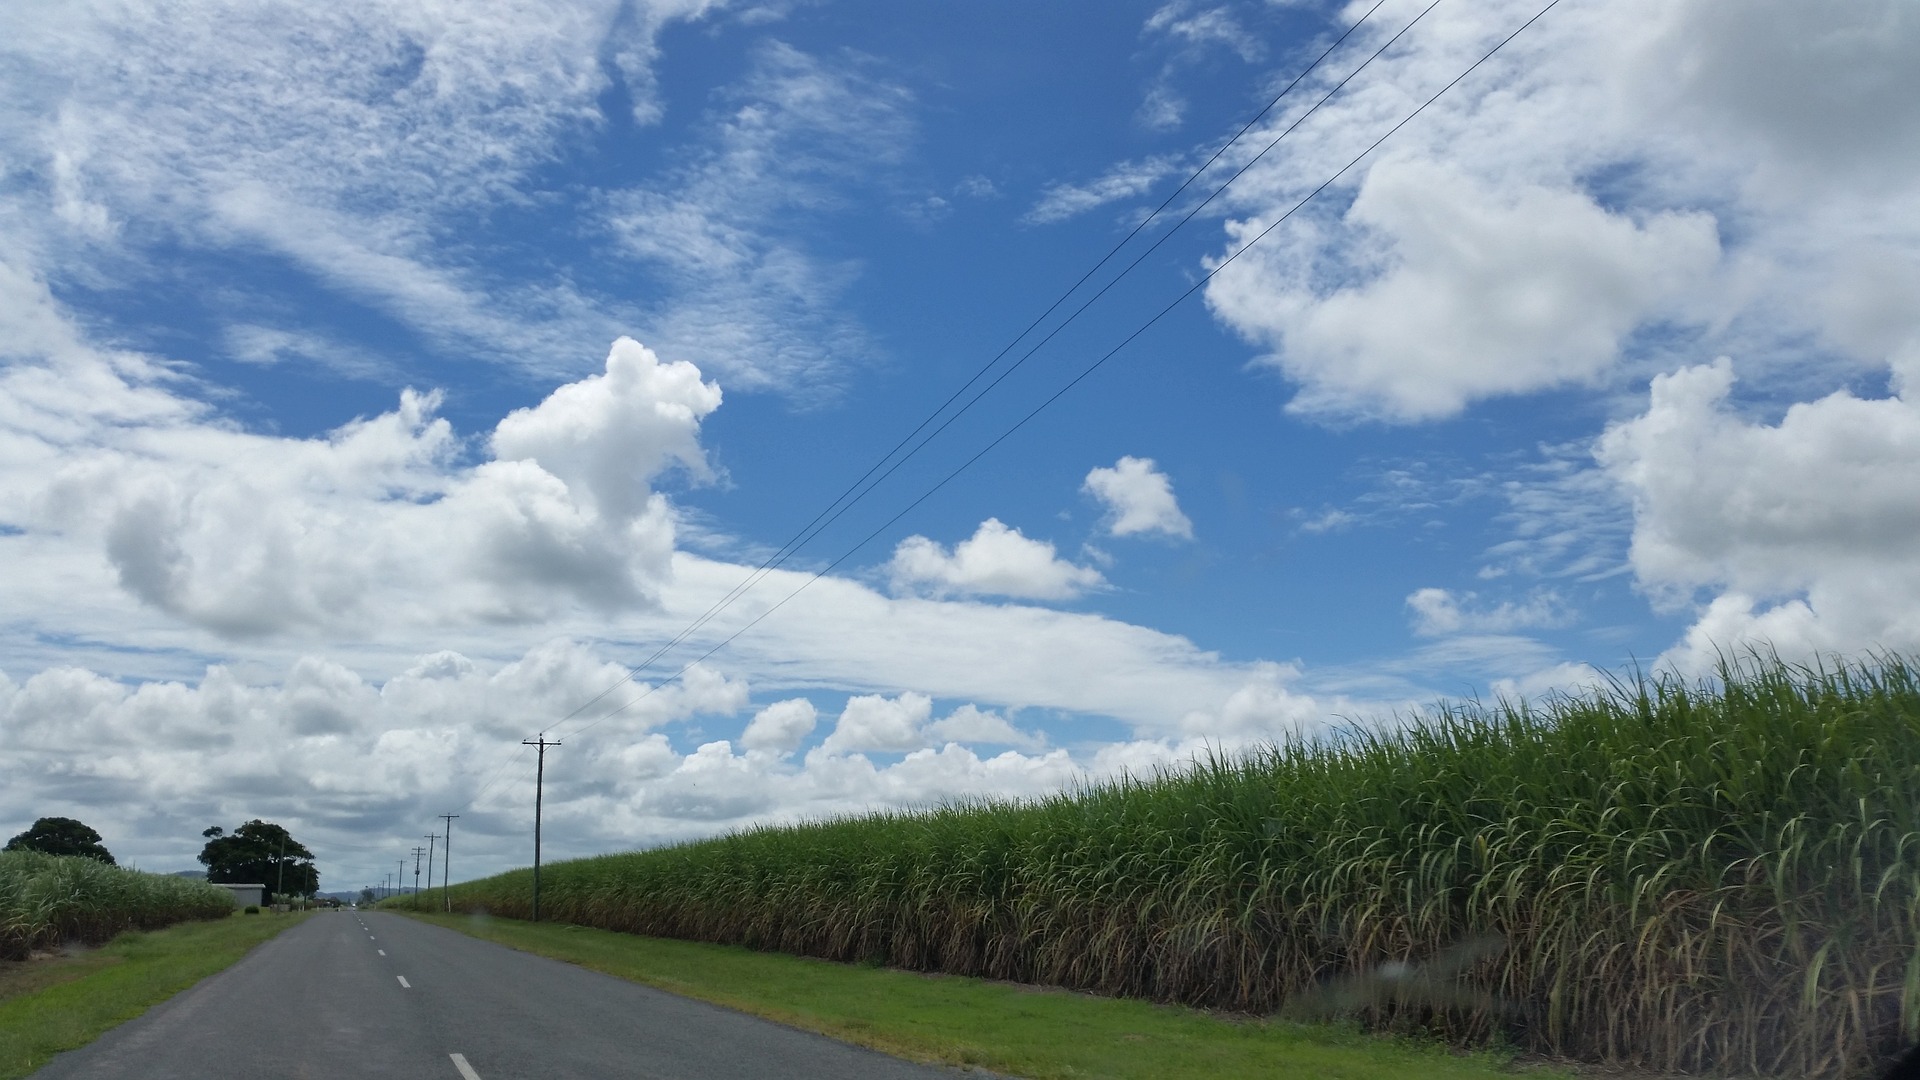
[[861, 486], [814, 528], [1029, 416], [1089, 369]]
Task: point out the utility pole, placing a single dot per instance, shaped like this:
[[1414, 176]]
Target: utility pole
[[539, 783], [281, 888], [446, 864], [400, 879], [430, 838], [417, 852]]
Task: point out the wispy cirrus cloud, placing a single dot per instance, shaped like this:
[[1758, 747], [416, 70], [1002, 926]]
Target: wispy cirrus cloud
[[1123, 181], [727, 228], [372, 150], [347, 140]]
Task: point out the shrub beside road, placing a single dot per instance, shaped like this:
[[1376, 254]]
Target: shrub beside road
[[50, 900]]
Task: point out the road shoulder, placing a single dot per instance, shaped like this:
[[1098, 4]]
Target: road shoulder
[[1001, 1027], [55, 1005]]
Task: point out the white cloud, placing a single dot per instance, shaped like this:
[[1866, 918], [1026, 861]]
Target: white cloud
[[975, 726], [1616, 172], [1261, 708], [1206, 26], [747, 299], [874, 722], [1568, 679], [1819, 90], [1193, 33], [1330, 520], [1803, 529], [1139, 499], [330, 753], [1124, 181], [1450, 293], [350, 141], [996, 560], [608, 435], [1439, 612], [1162, 110], [370, 528], [344, 138], [781, 726], [150, 536]]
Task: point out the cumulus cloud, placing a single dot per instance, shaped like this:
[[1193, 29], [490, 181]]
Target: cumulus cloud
[[1439, 612], [1803, 530], [1614, 176], [996, 560], [150, 536], [975, 726], [1819, 90], [1139, 499], [874, 722], [374, 524], [607, 435], [1262, 708], [781, 726], [1453, 292], [337, 758]]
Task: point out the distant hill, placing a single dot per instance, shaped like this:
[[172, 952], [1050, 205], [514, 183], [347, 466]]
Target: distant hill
[[197, 875]]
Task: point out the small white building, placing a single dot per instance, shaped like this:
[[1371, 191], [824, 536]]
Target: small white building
[[244, 895]]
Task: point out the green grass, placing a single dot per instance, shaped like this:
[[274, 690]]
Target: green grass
[[1005, 1028], [51, 1005], [1721, 877], [47, 900]]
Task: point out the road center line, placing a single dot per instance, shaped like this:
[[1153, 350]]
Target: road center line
[[404, 982], [382, 952], [466, 1070]]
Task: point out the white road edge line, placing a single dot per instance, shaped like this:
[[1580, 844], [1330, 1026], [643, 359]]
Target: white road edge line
[[404, 982], [466, 1070]]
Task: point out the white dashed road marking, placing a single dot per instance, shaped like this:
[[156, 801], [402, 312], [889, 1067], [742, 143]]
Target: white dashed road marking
[[404, 982], [382, 952], [466, 1070]]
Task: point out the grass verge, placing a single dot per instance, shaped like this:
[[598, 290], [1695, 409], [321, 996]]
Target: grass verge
[[1710, 877], [47, 1006], [1016, 1030]]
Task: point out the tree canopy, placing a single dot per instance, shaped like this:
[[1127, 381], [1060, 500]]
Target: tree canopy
[[262, 853], [62, 836]]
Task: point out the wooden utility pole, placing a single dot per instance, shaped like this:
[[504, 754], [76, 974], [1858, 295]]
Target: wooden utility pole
[[446, 863], [430, 838], [539, 782], [417, 852]]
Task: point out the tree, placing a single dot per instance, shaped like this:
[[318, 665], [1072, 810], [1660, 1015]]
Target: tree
[[260, 853], [61, 836], [367, 897]]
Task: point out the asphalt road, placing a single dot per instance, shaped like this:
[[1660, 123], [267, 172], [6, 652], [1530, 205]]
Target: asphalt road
[[358, 995]]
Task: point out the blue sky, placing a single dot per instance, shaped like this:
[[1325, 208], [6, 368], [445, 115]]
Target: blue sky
[[382, 380]]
